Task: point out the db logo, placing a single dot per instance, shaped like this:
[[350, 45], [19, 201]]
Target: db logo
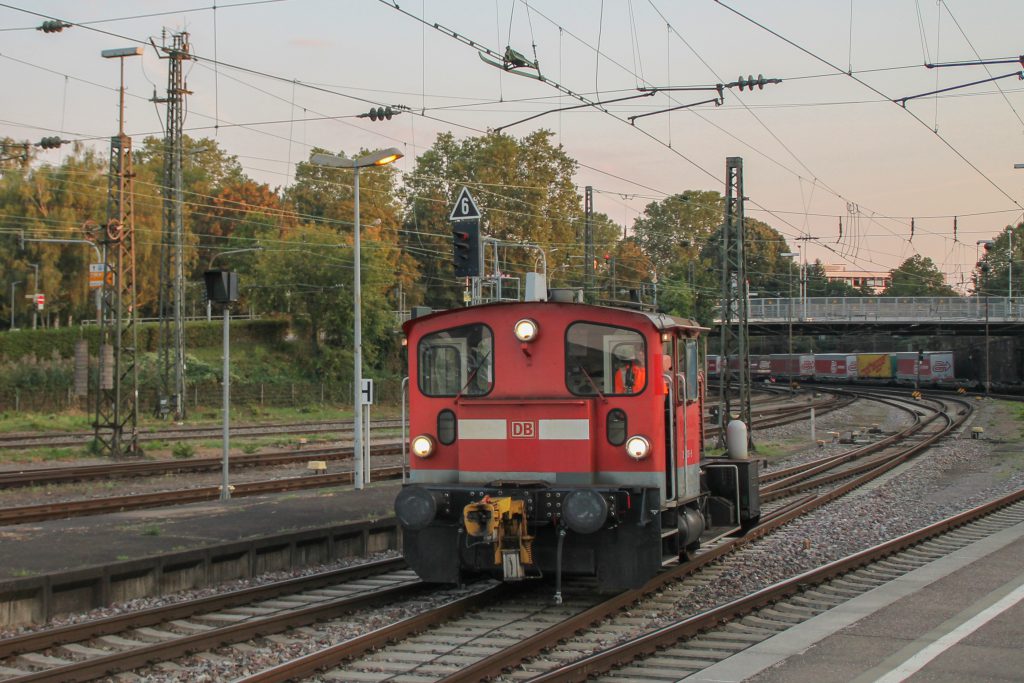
[[940, 366], [524, 429]]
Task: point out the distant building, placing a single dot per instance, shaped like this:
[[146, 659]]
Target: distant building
[[875, 281]]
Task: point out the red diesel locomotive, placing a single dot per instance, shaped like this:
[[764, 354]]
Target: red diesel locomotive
[[552, 438]]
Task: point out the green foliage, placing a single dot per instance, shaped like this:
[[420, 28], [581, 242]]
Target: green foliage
[[992, 274], [183, 450], [60, 342], [250, 448], [918, 276], [152, 530], [524, 186]]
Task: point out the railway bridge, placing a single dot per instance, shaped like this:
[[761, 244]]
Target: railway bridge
[[947, 316]]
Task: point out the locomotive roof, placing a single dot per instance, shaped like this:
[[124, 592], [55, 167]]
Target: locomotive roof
[[661, 321]]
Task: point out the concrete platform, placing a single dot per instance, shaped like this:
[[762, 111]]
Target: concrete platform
[[960, 618], [60, 566]]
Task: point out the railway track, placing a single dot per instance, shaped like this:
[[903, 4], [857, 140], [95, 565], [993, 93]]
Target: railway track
[[500, 627], [192, 433], [29, 440], [697, 642], [56, 475], [768, 416], [82, 652]]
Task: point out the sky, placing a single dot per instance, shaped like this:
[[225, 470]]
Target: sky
[[827, 145]]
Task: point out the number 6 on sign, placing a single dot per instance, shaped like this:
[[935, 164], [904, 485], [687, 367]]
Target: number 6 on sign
[[465, 208]]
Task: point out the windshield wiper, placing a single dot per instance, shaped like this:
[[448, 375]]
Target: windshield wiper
[[472, 375], [591, 380]]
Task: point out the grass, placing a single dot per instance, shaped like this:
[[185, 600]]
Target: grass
[[183, 451], [71, 421], [22, 573], [151, 530]]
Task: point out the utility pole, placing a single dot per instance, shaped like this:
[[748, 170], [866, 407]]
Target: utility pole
[[171, 347], [117, 405], [35, 293], [588, 245], [734, 342]]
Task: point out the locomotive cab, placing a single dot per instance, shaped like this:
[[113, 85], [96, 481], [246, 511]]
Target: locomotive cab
[[553, 438]]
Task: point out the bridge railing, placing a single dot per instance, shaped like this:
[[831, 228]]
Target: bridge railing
[[886, 309]]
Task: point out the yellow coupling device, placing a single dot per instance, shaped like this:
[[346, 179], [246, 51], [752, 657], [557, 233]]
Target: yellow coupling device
[[502, 522]]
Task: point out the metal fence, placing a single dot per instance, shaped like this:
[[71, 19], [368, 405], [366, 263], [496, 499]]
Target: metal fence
[[208, 395]]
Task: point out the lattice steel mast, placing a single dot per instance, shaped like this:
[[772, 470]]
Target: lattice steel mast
[[171, 343], [117, 397], [734, 330]]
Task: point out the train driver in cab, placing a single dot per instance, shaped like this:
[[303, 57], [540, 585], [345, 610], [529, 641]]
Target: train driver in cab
[[631, 376]]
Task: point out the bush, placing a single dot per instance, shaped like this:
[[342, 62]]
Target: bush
[[183, 451]]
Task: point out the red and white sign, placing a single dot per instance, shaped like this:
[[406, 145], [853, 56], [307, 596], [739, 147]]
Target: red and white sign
[[523, 429], [40, 301]]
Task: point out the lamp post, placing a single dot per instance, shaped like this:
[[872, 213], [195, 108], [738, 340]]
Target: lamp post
[[222, 288], [35, 293], [984, 279], [378, 158], [789, 314], [13, 285]]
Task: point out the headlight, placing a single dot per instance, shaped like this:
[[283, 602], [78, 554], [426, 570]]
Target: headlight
[[422, 446], [637, 447], [584, 511], [526, 330]]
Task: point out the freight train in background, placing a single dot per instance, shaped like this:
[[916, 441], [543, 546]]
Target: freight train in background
[[926, 368]]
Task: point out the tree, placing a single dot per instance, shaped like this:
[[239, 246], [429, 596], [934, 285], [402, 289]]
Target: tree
[[917, 276], [52, 202], [308, 276], [525, 191], [674, 228], [992, 273]]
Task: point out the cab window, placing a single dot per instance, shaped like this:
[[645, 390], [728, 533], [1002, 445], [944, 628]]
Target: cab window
[[456, 362], [602, 359]]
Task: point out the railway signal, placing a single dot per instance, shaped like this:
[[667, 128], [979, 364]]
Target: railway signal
[[467, 246]]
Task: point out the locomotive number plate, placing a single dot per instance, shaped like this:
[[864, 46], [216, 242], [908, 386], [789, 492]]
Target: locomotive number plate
[[523, 429]]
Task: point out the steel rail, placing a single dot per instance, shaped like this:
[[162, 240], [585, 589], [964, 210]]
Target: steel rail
[[155, 615], [52, 475], [649, 643], [313, 662], [97, 506], [28, 439], [514, 655], [98, 667]]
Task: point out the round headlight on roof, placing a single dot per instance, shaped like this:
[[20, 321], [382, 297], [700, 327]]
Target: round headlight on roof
[[637, 447], [526, 330], [422, 446]]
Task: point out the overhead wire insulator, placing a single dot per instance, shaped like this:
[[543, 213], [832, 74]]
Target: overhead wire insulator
[[381, 113], [50, 142], [53, 26], [749, 82]]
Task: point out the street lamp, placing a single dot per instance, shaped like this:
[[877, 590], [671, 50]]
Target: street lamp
[[35, 295], [13, 285], [790, 255], [985, 267], [379, 158]]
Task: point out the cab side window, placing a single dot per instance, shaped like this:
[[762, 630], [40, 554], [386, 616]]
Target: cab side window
[[606, 360], [457, 361]]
